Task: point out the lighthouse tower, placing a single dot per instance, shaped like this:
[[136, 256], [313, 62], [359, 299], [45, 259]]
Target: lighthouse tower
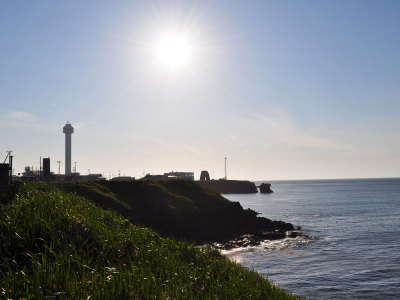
[[68, 130]]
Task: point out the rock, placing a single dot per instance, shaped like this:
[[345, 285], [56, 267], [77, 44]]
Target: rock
[[276, 235], [292, 234], [265, 188]]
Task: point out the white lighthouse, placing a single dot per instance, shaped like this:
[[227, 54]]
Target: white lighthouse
[[68, 130]]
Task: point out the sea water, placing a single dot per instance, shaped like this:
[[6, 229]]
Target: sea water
[[354, 247]]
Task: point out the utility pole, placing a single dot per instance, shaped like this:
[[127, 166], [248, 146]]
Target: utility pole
[[75, 166], [40, 167], [11, 169], [10, 163], [59, 163], [226, 176]]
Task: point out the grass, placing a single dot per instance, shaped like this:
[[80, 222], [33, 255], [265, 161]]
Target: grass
[[55, 241]]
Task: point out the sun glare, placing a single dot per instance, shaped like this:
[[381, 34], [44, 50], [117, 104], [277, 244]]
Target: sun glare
[[173, 50]]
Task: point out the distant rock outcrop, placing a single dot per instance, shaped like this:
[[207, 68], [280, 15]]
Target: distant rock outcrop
[[265, 188]]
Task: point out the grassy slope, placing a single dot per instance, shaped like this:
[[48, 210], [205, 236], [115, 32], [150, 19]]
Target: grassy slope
[[182, 209], [54, 241]]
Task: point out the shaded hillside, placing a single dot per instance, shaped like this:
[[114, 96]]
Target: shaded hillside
[[53, 241], [182, 209]]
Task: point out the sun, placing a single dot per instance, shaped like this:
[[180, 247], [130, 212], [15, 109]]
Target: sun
[[173, 50]]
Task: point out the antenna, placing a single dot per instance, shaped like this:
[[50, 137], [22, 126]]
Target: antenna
[[59, 163], [226, 176]]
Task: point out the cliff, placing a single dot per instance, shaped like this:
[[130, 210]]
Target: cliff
[[182, 209]]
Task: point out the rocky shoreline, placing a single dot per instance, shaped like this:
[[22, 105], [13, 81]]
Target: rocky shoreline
[[255, 239]]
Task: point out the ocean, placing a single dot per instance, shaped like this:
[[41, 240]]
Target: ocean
[[353, 249]]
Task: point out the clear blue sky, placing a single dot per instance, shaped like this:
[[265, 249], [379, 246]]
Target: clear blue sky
[[284, 89]]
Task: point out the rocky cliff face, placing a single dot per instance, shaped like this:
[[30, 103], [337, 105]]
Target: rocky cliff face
[[182, 209]]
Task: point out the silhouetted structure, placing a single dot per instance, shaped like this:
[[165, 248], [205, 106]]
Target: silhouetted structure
[[122, 178], [150, 177], [4, 175], [179, 175], [226, 174], [46, 167], [204, 175], [171, 175], [68, 130]]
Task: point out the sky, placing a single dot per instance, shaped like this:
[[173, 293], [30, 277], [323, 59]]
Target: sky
[[283, 89]]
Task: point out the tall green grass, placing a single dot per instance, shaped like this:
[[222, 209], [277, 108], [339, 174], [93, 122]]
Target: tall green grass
[[53, 241]]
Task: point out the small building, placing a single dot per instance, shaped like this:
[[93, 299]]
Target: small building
[[4, 175], [46, 167], [179, 175], [123, 178], [30, 174], [171, 176], [90, 177], [150, 177]]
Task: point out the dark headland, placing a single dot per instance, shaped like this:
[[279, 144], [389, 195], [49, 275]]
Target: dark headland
[[225, 186], [182, 209]]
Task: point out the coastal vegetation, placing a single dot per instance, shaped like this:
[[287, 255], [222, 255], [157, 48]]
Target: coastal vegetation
[[53, 240]]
